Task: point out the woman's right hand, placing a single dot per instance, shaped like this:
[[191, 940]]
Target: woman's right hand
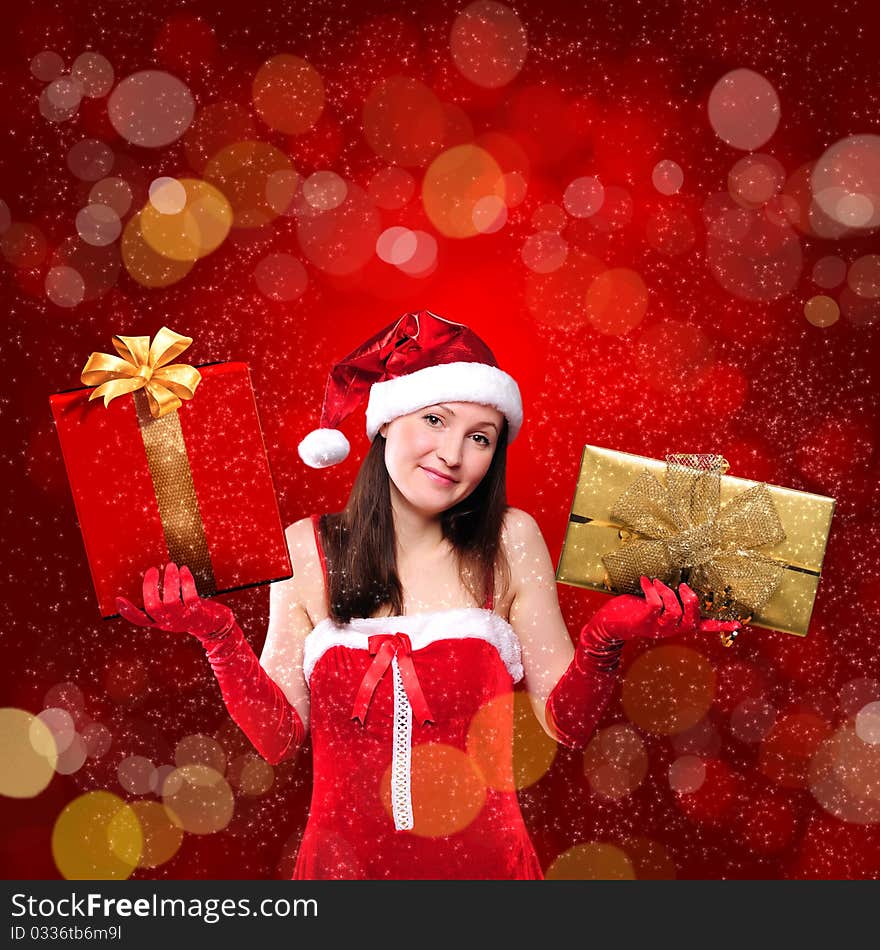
[[179, 609]]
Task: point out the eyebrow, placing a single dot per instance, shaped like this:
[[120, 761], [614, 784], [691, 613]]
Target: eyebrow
[[451, 413]]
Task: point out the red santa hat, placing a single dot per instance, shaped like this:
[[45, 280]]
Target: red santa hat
[[418, 360]]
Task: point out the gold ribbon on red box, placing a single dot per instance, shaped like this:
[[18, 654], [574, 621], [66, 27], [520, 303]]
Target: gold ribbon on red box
[[159, 388]]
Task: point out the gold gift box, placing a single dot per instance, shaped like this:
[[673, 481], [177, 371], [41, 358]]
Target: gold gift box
[[592, 533]]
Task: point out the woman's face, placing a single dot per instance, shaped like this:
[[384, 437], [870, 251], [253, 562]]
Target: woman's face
[[438, 455]]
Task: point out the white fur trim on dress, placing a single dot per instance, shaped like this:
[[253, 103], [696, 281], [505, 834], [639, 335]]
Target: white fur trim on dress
[[456, 624], [322, 448], [456, 382]]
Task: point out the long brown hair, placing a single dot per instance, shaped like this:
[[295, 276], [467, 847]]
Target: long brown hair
[[359, 542]]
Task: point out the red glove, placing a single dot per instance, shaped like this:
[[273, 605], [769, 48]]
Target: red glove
[[577, 702], [253, 699]]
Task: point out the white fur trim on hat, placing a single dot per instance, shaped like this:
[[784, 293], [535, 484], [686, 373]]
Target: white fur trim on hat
[[322, 448], [456, 382]]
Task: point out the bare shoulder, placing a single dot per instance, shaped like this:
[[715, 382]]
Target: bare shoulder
[[521, 531], [301, 538], [531, 567], [307, 583], [524, 545]]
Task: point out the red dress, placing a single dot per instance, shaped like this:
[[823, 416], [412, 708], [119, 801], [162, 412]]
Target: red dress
[[412, 738]]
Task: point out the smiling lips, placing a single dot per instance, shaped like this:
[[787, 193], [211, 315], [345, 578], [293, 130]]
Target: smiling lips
[[437, 477]]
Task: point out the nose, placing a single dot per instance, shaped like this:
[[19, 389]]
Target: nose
[[449, 449]]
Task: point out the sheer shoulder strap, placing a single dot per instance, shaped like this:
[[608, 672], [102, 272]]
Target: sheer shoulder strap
[[315, 520]]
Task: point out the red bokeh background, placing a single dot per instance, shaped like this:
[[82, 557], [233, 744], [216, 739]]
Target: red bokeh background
[[695, 358]]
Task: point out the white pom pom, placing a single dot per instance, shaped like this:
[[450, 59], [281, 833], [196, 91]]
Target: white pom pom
[[322, 448]]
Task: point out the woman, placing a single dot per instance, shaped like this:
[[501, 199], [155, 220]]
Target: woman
[[410, 617]]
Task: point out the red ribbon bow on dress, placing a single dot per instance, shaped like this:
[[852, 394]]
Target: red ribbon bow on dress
[[385, 646]]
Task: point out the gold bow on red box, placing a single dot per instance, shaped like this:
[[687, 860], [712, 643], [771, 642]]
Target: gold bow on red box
[[144, 365], [159, 387]]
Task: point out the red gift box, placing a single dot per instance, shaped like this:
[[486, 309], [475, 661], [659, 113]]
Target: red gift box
[[192, 486]]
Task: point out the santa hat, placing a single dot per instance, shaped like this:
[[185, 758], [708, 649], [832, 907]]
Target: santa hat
[[418, 360]]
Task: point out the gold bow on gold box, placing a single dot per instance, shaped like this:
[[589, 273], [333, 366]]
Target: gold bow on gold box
[[750, 551]]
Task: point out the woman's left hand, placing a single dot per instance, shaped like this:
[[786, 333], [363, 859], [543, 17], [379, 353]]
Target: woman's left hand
[[659, 614]]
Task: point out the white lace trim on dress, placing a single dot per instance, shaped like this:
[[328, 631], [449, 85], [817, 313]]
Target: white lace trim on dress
[[401, 754]]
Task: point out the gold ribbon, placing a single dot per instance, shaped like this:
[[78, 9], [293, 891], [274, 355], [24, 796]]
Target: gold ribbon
[[175, 492], [144, 365], [681, 532]]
